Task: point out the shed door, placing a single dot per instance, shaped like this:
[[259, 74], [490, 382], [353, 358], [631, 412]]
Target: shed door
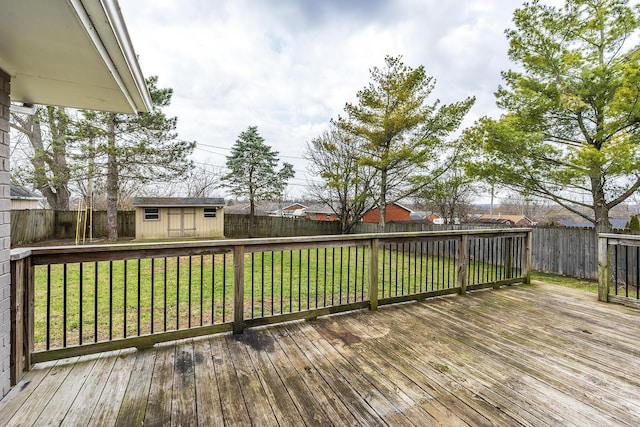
[[182, 222]]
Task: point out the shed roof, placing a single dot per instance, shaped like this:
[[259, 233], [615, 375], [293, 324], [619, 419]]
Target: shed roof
[[71, 53], [177, 201], [22, 193]]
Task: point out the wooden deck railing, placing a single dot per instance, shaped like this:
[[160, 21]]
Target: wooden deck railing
[[618, 270], [69, 301]]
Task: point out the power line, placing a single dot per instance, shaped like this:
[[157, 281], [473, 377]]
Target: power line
[[198, 144]]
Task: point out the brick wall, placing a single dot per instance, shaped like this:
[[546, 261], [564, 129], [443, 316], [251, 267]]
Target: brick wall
[[393, 213], [5, 206]]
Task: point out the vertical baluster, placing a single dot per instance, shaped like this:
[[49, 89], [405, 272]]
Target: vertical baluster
[[95, 302], [290, 280], [349, 272], [177, 292], [325, 277], [308, 279], [110, 300], [165, 293], [153, 286], [189, 288], [64, 305], [364, 250], [431, 258], [201, 290], [384, 276], [421, 264], [438, 268], [403, 270], [81, 319], [300, 280], [397, 267], [626, 271], [139, 294], [224, 286], [213, 288], [615, 269], [637, 272], [281, 281], [124, 296], [48, 326]]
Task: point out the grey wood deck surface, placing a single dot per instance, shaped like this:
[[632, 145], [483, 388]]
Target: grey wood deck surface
[[536, 355]]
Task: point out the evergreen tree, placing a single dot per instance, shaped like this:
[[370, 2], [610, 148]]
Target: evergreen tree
[[252, 171], [404, 136], [571, 128], [140, 148]]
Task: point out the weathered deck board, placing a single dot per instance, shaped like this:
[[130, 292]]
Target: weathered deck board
[[524, 355]]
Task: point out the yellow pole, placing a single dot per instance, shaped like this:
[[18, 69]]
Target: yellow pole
[[78, 219], [84, 228]]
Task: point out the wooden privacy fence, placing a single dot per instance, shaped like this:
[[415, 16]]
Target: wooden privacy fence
[[236, 226], [30, 226], [566, 251], [618, 271], [80, 300]]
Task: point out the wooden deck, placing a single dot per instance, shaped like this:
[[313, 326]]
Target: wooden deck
[[524, 355]]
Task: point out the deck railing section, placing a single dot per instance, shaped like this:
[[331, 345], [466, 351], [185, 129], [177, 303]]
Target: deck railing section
[[618, 270], [79, 300]]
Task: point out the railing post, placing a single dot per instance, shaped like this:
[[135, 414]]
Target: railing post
[[22, 318], [526, 257], [508, 257], [373, 274], [603, 269], [463, 260], [238, 289]]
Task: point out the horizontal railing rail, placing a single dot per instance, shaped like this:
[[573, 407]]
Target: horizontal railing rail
[[618, 270], [85, 299]]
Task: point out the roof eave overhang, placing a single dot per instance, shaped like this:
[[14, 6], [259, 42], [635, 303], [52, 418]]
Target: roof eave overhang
[[72, 53]]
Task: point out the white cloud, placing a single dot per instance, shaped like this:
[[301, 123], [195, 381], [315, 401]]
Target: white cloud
[[289, 66]]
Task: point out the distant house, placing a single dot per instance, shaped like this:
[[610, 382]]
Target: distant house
[[394, 212], [178, 217], [320, 213], [428, 215], [23, 199], [616, 223], [509, 220]]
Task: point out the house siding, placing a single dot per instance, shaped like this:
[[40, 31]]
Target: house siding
[[5, 227], [394, 213], [204, 227], [24, 204], [319, 216]]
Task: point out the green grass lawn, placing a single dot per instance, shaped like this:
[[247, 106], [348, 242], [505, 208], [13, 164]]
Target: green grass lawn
[[568, 282], [128, 298]]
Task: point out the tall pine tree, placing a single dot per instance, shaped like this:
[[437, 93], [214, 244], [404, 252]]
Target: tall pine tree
[[252, 172]]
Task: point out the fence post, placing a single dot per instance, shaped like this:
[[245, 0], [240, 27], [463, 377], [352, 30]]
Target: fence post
[[526, 257], [373, 274], [238, 289], [603, 269], [463, 259]]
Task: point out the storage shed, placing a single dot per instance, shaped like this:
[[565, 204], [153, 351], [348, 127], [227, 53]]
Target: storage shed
[[179, 217]]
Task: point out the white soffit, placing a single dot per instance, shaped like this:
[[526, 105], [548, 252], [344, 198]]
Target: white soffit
[[72, 53]]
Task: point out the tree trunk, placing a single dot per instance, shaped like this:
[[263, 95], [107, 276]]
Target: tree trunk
[[112, 180], [55, 190], [600, 208], [382, 209], [251, 231]]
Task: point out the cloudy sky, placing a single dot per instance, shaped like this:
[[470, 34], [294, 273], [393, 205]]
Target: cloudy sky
[[289, 66]]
